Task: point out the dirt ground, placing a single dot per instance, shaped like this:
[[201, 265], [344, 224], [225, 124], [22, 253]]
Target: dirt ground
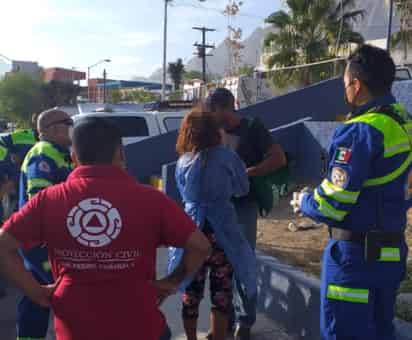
[[304, 247]]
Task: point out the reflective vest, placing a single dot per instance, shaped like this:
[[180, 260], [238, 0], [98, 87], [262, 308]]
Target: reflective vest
[[44, 165], [397, 139]]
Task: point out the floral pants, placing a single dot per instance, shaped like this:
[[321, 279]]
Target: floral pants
[[220, 277]]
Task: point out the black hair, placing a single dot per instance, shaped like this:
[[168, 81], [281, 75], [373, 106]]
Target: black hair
[[374, 67], [220, 98], [95, 141]]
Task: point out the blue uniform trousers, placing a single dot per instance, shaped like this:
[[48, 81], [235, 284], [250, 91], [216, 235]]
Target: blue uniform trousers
[[344, 266], [32, 319]]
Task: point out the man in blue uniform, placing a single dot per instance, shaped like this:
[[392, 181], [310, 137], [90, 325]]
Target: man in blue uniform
[[47, 163], [18, 143], [7, 173], [364, 200]]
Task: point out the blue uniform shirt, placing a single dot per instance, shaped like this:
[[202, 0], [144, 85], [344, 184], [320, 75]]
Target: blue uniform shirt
[[356, 154], [46, 164]]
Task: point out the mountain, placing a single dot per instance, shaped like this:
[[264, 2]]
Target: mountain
[[218, 63]]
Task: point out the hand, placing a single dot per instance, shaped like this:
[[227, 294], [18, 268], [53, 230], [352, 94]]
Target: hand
[[297, 200], [165, 288], [251, 172], [43, 294]]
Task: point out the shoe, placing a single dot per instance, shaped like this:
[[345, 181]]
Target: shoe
[[242, 333]]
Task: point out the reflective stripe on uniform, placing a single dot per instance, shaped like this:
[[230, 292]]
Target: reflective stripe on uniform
[[3, 153], [46, 149], [34, 183], [348, 294], [23, 137], [390, 255], [392, 176], [395, 139], [339, 194], [28, 338], [327, 209]]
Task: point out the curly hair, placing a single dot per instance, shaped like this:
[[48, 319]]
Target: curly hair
[[199, 130]]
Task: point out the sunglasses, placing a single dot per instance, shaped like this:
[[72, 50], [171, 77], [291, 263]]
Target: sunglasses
[[67, 121]]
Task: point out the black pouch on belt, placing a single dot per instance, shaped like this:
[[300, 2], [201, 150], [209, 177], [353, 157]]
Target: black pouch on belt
[[373, 245]]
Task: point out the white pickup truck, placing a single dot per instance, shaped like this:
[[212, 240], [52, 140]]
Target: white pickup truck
[[136, 126]]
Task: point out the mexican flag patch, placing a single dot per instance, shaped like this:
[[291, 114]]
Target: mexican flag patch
[[343, 155]]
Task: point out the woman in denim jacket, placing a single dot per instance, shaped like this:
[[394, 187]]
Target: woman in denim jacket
[[208, 176]]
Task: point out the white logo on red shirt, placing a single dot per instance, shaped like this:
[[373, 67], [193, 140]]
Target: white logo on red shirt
[[94, 222]]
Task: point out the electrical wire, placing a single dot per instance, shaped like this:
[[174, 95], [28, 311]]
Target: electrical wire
[[173, 4]]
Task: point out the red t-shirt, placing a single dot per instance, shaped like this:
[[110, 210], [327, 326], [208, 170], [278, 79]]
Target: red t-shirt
[[102, 229]]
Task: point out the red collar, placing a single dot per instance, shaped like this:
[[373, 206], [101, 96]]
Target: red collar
[[99, 171]]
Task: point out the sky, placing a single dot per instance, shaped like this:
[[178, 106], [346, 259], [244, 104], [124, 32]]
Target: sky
[[78, 33]]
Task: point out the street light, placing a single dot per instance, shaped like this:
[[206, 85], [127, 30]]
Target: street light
[[88, 74], [165, 48]]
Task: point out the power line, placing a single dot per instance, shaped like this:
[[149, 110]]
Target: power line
[[217, 10], [201, 48]]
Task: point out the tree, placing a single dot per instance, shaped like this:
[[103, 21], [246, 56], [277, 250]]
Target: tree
[[140, 96], [20, 97], [404, 36], [176, 71], [246, 70], [310, 31], [58, 93], [189, 75], [116, 96]]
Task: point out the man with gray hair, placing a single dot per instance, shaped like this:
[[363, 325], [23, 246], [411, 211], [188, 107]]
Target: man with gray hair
[[46, 164]]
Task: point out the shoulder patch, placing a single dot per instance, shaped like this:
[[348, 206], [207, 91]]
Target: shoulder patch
[[44, 166], [343, 155], [339, 177]]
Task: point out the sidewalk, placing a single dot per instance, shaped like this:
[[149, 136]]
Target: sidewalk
[[264, 330]]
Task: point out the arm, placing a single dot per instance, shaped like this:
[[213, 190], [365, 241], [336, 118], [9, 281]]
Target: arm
[[23, 229], [40, 174], [240, 180], [11, 266], [176, 229], [196, 250], [351, 153], [274, 157]]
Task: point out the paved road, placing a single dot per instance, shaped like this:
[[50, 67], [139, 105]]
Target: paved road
[[265, 329]]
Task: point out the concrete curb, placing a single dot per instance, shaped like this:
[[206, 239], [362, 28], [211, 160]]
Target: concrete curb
[[292, 298]]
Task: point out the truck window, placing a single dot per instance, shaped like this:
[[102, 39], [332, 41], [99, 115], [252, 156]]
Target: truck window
[[172, 123], [130, 126], [402, 74]]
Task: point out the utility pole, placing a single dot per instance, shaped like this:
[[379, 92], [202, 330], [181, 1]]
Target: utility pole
[[104, 86], [390, 18], [201, 48], [164, 51]]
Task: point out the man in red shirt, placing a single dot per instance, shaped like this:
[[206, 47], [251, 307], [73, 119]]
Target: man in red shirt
[[102, 230]]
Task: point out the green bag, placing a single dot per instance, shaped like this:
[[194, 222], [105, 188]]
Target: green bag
[[263, 187]]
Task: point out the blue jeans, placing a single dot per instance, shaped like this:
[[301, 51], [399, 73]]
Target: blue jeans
[[244, 307], [371, 318]]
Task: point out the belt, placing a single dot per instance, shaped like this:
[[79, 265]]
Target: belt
[[388, 238]]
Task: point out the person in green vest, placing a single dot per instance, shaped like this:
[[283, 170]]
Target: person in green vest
[[363, 200]]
